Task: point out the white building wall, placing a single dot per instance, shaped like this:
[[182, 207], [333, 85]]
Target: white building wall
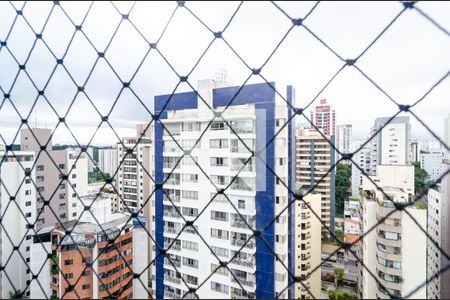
[[432, 163], [38, 263], [16, 214]]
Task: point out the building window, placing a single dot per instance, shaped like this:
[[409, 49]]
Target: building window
[[28, 215], [68, 262], [190, 245], [86, 273], [219, 161], [219, 215], [193, 195], [61, 166], [221, 252], [28, 203], [219, 233], [39, 178], [40, 168], [86, 286], [68, 275], [190, 262], [218, 143], [28, 192], [218, 287], [218, 125]]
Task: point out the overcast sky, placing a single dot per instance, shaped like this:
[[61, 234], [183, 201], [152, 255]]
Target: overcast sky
[[406, 61]]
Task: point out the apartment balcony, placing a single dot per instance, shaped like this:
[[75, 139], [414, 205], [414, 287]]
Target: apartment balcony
[[173, 182], [171, 230], [172, 279], [242, 224], [240, 186], [171, 295], [175, 246], [248, 281], [388, 242], [239, 243], [172, 197], [239, 294], [172, 262], [172, 214], [391, 284], [249, 263]]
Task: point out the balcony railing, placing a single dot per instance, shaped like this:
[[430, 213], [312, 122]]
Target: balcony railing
[[172, 262], [248, 281], [172, 279], [171, 295], [172, 214], [239, 243], [174, 198], [171, 230], [249, 263], [242, 224]]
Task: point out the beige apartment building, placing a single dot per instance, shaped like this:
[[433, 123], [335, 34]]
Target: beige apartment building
[[307, 247], [314, 159], [396, 251], [61, 177]]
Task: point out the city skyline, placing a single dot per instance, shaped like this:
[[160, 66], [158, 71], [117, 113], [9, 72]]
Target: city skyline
[[308, 71]]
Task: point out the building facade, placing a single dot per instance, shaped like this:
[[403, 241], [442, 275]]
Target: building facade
[[249, 202], [447, 137], [133, 178], [107, 160], [362, 160], [395, 251], [432, 163], [438, 227], [324, 117], [18, 211], [391, 143], [344, 140], [61, 177], [110, 274], [315, 157], [307, 247]]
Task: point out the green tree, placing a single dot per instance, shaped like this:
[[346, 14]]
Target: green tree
[[421, 179], [339, 275], [331, 294], [342, 184], [16, 295]]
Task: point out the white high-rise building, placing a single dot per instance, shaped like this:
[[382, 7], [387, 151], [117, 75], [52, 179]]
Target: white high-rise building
[[391, 146], [396, 250], [447, 136], [61, 177], [432, 163], [362, 159], [255, 115], [90, 159], [343, 140], [107, 160], [415, 151], [438, 227], [18, 210], [133, 181]]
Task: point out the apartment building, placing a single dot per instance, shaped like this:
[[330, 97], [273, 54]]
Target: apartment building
[[18, 212], [391, 145], [239, 205], [324, 117], [343, 140], [90, 159], [307, 239], [110, 274], [315, 157], [362, 160], [61, 177], [107, 160], [133, 179], [395, 251], [438, 227], [431, 162], [447, 136]]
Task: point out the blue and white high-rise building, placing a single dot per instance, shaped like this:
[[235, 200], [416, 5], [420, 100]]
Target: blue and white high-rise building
[[221, 176]]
